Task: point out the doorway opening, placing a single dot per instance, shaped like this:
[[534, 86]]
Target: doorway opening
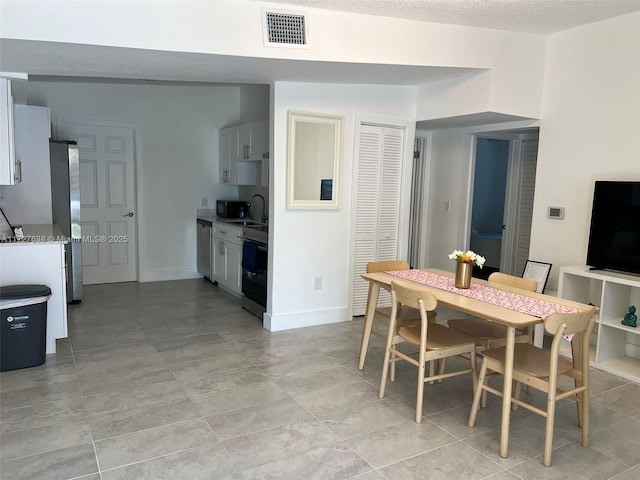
[[502, 199], [487, 212]]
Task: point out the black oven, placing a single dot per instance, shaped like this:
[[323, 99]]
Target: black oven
[[255, 254]]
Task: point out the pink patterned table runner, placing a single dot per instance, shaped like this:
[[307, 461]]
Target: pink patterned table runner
[[512, 301]]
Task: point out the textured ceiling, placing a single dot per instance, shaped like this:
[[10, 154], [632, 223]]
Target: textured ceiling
[[533, 16]]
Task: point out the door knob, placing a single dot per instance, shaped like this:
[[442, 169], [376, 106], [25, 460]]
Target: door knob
[[130, 214]]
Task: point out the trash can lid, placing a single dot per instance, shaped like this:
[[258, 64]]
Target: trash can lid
[[10, 292]]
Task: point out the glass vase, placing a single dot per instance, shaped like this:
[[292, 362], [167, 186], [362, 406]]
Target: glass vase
[[463, 275]]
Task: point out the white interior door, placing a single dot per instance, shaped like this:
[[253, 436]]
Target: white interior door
[[107, 197]]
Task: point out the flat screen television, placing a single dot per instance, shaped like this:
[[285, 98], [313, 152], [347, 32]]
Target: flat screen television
[[614, 237]]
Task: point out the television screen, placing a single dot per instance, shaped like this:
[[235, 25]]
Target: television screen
[[614, 238]]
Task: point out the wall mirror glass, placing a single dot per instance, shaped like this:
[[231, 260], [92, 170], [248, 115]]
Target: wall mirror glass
[[314, 160]]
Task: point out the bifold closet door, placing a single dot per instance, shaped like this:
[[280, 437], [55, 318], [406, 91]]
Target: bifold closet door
[[377, 206], [527, 190]]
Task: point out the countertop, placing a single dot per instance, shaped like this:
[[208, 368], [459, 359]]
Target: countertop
[[234, 222]]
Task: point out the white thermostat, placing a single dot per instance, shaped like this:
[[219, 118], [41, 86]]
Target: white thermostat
[[556, 212]]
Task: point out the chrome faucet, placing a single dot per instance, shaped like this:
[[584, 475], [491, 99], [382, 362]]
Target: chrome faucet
[[263, 216]]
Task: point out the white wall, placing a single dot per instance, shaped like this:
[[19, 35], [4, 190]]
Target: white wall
[[177, 135], [234, 27], [305, 243], [511, 82], [450, 182], [589, 131]]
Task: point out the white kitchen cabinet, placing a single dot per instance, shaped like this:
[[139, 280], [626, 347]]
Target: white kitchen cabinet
[[257, 146], [617, 346], [29, 202], [226, 257], [227, 175], [41, 262], [9, 162], [242, 150]]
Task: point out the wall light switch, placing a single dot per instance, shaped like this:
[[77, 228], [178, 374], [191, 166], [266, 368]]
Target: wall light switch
[[556, 212], [317, 283], [204, 202], [447, 206]]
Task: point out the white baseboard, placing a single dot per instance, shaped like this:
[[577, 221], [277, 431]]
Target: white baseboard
[[168, 274], [288, 321]]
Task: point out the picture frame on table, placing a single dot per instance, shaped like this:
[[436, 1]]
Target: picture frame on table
[[538, 271]]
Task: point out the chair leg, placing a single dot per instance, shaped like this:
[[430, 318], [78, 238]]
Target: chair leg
[[516, 395], [579, 404], [392, 376], [585, 417], [483, 402], [442, 363], [420, 391], [548, 434], [385, 372], [385, 365], [432, 370], [478, 393], [474, 372]]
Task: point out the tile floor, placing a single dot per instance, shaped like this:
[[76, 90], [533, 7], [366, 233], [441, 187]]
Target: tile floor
[[172, 380]]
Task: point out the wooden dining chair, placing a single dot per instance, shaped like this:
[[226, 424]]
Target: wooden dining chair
[[406, 315], [540, 368], [434, 342], [488, 334]]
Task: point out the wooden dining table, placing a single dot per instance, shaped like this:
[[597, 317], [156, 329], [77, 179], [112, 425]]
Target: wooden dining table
[[455, 300]]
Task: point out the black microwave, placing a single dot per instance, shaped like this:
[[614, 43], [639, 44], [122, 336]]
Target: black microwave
[[231, 209]]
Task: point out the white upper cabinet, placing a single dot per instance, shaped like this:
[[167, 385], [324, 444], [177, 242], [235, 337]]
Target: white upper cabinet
[[9, 163], [242, 151], [225, 156], [257, 147]]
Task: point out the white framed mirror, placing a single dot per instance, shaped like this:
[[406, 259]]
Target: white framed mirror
[[314, 160]]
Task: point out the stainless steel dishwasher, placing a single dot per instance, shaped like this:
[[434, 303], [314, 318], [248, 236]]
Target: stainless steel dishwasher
[[203, 237]]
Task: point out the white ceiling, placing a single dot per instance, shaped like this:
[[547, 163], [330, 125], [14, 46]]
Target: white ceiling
[[532, 16]]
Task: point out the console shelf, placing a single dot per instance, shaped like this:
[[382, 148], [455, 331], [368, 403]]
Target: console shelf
[[617, 346]]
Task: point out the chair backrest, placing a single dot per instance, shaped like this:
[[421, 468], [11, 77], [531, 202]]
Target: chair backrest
[[414, 297], [512, 281], [579, 324], [573, 322], [387, 266]]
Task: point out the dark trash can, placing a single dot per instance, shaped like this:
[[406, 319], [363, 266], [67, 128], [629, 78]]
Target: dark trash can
[[23, 329]]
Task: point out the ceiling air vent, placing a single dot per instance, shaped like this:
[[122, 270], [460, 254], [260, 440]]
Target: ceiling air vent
[[284, 29]]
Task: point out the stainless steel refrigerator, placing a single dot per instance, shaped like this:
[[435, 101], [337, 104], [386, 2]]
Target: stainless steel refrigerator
[[65, 208]]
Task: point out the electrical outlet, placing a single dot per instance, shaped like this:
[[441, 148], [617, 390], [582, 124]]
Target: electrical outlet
[[204, 202], [317, 283]]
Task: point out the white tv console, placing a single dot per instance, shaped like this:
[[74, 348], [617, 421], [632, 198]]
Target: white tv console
[[617, 347]]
